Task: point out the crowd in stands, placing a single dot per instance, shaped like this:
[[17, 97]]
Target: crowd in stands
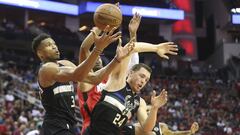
[[198, 92], [18, 116], [11, 31], [212, 103]]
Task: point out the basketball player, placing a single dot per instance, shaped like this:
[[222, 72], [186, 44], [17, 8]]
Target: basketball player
[[120, 100], [162, 129], [55, 78], [89, 94]]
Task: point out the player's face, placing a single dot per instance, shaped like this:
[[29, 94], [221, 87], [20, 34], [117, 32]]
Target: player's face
[[138, 79], [98, 64], [49, 50]]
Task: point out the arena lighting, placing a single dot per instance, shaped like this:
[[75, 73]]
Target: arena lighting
[[236, 18], [71, 9], [50, 6], [149, 12], [235, 10]]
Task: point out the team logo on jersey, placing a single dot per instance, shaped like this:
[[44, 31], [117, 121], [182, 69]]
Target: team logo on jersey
[[128, 89], [129, 105], [136, 103], [63, 89]]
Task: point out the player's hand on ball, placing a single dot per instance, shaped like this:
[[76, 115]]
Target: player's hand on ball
[[167, 48], [160, 100], [96, 30], [194, 128], [122, 52], [106, 38]]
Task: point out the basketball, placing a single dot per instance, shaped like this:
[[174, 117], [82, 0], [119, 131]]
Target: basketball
[[107, 14]]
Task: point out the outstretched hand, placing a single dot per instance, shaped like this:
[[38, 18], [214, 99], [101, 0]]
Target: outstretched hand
[[167, 48], [96, 30], [106, 38], [194, 128], [123, 52], [160, 100], [134, 23]]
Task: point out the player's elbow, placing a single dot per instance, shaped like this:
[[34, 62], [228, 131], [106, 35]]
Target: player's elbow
[[78, 76], [147, 129]]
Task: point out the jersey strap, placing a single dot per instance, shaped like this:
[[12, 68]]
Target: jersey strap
[[85, 105]]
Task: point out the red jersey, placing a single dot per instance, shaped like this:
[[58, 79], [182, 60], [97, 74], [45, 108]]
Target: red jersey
[[93, 97]]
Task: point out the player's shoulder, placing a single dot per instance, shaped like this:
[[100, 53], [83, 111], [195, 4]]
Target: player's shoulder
[[48, 66], [46, 71]]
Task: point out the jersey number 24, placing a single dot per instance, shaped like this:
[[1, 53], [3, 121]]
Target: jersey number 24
[[118, 120]]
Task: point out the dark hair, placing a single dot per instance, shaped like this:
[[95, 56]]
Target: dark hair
[[37, 41], [137, 67]]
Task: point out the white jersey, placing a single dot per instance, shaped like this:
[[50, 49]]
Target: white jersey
[[134, 60]]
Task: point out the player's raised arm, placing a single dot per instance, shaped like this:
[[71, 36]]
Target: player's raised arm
[[101, 42], [148, 121], [121, 53], [87, 43], [133, 27], [161, 49]]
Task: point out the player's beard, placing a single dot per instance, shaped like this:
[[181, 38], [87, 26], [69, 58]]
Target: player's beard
[[53, 59]]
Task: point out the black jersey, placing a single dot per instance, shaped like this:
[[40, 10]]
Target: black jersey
[[157, 129], [59, 102], [113, 111]]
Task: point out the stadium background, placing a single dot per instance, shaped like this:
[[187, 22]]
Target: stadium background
[[203, 82]]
